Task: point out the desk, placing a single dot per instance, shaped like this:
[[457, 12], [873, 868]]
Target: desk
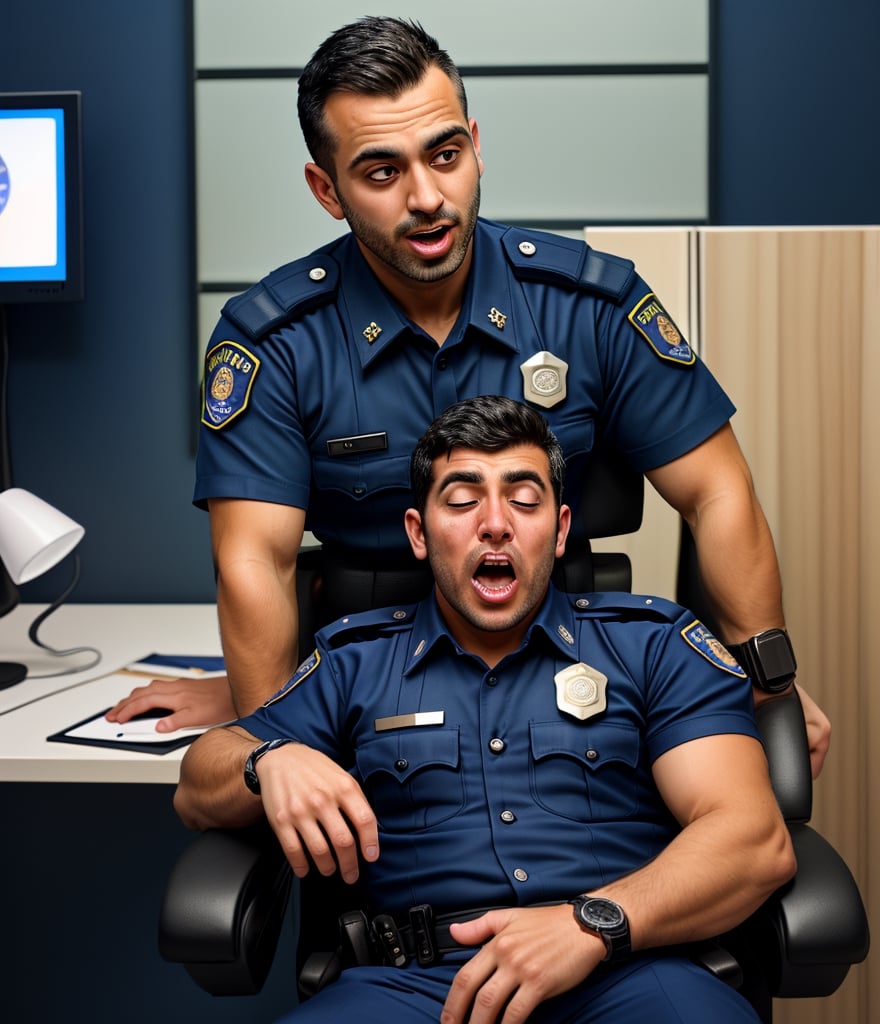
[[36, 708], [84, 865]]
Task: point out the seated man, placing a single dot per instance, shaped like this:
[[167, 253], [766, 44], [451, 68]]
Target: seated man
[[501, 748]]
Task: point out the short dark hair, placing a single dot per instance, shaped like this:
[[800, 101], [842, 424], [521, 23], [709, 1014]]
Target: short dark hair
[[488, 423], [373, 56]]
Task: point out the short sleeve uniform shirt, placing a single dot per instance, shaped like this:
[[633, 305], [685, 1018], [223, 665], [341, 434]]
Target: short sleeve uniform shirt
[[317, 388]]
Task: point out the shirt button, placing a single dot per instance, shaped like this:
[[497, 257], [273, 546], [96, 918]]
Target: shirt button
[[358, 491], [402, 764], [527, 248], [442, 363], [492, 681], [497, 746], [508, 817], [521, 875], [317, 273], [592, 755]]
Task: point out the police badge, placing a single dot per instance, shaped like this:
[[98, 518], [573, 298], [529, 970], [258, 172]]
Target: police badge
[[544, 379], [580, 691]]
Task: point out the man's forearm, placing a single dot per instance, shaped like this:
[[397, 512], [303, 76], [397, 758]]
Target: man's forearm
[[733, 852], [259, 626], [739, 569], [211, 792]]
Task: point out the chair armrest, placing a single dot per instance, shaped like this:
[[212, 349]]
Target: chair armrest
[[784, 733], [223, 908], [814, 928]]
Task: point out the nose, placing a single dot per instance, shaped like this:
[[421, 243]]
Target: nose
[[495, 523], [424, 196]]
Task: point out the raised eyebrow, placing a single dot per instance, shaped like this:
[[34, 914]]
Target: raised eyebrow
[[387, 153], [446, 135]]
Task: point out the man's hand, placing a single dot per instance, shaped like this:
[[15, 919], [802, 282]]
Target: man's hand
[[191, 702], [818, 730], [317, 808], [529, 954]]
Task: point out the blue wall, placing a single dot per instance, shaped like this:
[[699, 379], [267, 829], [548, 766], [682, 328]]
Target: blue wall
[[103, 393]]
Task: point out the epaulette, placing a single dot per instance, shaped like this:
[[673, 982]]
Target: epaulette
[[366, 625], [555, 259], [626, 606], [284, 295]]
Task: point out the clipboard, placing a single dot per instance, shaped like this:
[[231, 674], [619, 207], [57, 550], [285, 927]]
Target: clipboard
[[136, 735], [139, 734]]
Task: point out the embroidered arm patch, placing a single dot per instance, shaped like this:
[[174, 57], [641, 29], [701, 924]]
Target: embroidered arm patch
[[697, 636], [230, 370], [658, 328]]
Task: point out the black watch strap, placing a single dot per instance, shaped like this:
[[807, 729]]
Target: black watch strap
[[251, 780], [768, 660]]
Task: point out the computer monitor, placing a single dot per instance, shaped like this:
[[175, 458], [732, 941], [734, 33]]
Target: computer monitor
[[41, 226]]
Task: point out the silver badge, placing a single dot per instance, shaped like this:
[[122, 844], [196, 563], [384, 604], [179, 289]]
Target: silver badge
[[580, 691], [544, 379]]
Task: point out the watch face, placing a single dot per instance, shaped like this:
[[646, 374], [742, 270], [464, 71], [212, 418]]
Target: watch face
[[602, 913]]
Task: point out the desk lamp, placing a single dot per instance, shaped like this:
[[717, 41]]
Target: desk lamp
[[35, 537]]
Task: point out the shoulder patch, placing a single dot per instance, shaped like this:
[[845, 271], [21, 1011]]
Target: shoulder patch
[[303, 672], [284, 295], [542, 256], [696, 635], [658, 328], [230, 370]]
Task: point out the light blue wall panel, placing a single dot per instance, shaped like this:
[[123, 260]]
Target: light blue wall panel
[[284, 33], [562, 148]]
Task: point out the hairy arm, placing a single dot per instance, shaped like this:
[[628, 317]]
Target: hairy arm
[[712, 489], [733, 851], [315, 808]]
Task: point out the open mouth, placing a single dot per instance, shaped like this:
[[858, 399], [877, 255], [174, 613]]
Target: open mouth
[[430, 237], [494, 578]]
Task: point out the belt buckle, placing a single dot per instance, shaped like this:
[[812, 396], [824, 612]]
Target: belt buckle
[[421, 919]]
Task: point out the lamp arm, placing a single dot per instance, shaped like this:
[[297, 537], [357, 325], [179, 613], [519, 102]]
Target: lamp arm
[[41, 618]]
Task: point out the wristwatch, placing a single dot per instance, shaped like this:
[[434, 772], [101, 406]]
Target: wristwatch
[[605, 918], [768, 660], [250, 766]]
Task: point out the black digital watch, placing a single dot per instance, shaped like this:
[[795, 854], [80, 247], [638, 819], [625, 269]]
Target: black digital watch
[[605, 918], [768, 660]]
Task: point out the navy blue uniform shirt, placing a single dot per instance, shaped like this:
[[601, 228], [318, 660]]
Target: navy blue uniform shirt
[[486, 792], [317, 388]]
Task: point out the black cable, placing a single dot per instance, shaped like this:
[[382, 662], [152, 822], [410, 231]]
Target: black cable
[[41, 618]]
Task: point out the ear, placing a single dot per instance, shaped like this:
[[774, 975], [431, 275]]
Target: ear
[[323, 189], [563, 526], [416, 533], [475, 135]]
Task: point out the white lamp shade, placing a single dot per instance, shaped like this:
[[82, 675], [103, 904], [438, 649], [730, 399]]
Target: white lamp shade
[[34, 536]]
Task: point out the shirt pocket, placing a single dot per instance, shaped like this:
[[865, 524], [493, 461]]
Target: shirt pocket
[[412, 778], [585, 772], [361, 476]]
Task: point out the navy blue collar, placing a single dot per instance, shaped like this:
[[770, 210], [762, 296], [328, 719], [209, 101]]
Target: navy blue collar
[[555, 620], [375, 321]]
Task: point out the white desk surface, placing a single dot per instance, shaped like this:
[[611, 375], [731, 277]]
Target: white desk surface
[[36, 708]]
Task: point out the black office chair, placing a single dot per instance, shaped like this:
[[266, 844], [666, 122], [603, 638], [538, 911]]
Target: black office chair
[[227, 895]]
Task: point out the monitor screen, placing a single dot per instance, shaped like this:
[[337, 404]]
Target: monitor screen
[[41, 245]]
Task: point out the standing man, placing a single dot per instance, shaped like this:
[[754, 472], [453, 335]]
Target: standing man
[[565, 787], [321, 378]]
